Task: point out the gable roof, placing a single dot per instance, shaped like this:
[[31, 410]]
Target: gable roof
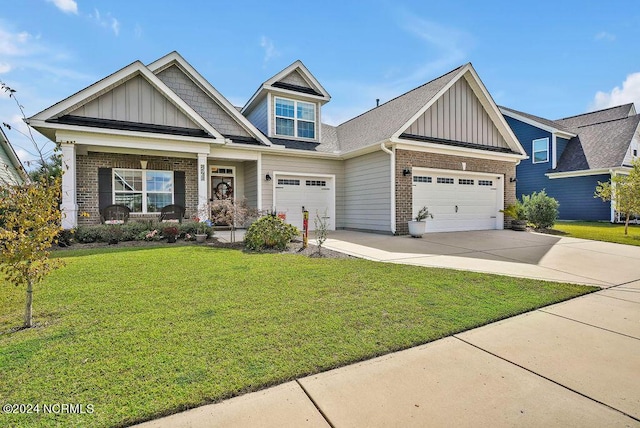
[[391, 119], [600, 145], [613, 113], [174, 58], [16, 166], [313, 89], [75, 101]]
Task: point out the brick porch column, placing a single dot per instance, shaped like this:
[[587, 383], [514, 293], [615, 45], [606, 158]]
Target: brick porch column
[[69, 206]]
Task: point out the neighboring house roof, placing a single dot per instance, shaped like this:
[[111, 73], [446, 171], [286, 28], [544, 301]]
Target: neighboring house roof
[[600, 145], [549, 123], [11, 167], [601, 138], [613, 113]]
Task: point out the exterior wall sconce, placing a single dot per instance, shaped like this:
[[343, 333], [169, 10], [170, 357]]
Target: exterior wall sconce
[[267, 177], [143, 164], [406, 172], [513, 180]]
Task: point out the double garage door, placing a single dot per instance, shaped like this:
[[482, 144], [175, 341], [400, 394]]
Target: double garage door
[[315, 193], [458, 201]]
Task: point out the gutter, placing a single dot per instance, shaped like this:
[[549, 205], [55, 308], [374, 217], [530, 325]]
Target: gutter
[[392, 154]]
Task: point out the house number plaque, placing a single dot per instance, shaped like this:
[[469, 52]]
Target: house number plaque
[[202, 175]]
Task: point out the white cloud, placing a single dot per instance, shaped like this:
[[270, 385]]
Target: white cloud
[[629, 93], [270, 50], [66, 6], [4, 67], [105, 21], [607, 37]]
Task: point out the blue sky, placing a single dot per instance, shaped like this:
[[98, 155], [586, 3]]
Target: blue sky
[[552, 59]]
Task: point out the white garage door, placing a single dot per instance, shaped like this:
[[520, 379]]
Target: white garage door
[[315, 194], [458, 201]]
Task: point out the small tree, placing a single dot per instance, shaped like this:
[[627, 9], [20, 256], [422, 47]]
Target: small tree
[[624, 190], [231, 213], [321, 229], [29, 224]]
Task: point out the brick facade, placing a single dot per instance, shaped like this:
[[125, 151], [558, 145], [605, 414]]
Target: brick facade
[[409, 159], [87, 179]]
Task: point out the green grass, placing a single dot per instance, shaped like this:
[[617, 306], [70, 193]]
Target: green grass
[[601, 231], [141, 333]]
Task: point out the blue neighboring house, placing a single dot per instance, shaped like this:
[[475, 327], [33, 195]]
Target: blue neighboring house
[[569, 156]]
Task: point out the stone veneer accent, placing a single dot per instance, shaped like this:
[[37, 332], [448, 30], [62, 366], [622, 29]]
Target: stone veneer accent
[[87, 179], [404, 185]]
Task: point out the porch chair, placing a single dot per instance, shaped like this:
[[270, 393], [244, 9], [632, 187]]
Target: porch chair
[[115, 214], [172, 213]]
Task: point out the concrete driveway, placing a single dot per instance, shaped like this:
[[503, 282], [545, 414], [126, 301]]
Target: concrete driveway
[[504, 252]]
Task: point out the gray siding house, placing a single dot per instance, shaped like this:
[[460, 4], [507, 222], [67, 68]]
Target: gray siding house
[[152, 135], [11, 169]]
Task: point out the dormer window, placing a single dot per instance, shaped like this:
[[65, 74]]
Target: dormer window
[[295, 118]]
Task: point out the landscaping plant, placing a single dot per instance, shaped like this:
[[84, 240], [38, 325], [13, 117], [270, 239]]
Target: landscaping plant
[[624, 191], [321, 229], [269, 232], [540, 209], [29, 224]]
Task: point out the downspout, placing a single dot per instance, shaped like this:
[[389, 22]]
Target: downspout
[[612, 203], [392, 154]]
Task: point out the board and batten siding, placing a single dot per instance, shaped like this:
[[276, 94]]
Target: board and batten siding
[[135, 101], [201, 102], [250, 183], [258, 116], [458, 115], [302, 166], [367, 192]]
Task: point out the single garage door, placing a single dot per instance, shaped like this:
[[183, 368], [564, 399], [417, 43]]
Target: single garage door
[[458, 201], [315, 194]]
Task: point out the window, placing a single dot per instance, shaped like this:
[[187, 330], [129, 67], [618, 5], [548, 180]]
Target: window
[[485, 182], [320, 183], [143, 191], [288, 182], [421, 179], [540, 150], [466, 181], [443, 180], [295, 118]]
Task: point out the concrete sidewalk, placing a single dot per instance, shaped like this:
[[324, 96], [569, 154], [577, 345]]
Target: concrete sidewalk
[[571, 364], [503, 252]]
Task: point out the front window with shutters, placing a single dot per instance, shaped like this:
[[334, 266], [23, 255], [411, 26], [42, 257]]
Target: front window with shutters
[[143, 191], [295, 118]]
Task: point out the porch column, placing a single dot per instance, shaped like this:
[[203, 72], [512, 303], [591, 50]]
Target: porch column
[[203, 199], [69, 206]]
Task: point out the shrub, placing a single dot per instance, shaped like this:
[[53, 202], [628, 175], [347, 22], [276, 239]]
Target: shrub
[[65, 237], [192, 228], [269, 232], [516, 211], [541, 210], [89, 234]]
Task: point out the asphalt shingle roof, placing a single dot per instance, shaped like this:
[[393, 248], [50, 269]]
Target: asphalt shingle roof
[[383, 121], [613, 113], [551, 123], [601, 145]]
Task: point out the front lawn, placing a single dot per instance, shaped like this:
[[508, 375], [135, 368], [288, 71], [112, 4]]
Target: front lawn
[[142, 333], [600, 231]]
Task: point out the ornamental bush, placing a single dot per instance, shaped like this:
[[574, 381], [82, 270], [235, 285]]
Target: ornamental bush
[[269, 232], [541, 210]]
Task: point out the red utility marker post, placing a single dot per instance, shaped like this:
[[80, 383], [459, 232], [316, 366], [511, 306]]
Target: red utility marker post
[[305, 228]]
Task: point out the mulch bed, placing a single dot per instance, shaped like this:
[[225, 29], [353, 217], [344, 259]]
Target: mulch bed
[[294, 247]]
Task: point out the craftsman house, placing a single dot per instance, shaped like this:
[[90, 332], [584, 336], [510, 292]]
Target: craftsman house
[[152, 135]]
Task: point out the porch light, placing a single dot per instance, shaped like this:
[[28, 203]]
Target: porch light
[[267, 177], [143, 164], [406, 172], [513, 180]]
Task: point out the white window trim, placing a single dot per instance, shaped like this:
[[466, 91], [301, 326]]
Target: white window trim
[[533, 152], [295, 119], [144, 188]]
